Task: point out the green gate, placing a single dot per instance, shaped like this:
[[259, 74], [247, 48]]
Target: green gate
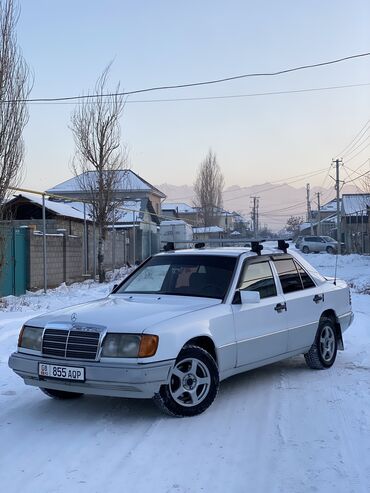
[[13, 261]]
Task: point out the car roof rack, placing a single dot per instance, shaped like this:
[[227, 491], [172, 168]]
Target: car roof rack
[[169, 246], [257, 248]]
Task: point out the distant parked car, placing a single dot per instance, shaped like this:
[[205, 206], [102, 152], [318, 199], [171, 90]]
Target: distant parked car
[[316, 244], [298, 241], [182, 322]]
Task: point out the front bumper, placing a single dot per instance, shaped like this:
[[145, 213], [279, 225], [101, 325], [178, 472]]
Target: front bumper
[[112, 379]]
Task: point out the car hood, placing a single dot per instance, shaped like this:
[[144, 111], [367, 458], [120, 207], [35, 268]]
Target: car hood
[[122, 313]]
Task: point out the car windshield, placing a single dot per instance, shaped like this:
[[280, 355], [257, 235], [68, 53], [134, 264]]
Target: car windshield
[[329, 239], [206, 276]]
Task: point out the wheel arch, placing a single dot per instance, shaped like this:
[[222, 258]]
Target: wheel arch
[[330, 313], [205, 343]]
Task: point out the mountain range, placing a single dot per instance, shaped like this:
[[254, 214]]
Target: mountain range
[[276, 202]]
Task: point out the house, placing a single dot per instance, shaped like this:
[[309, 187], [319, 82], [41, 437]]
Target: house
[[129, 185], [208, 233], [71, 238], [355, 211], [25, 209], [180, 210]]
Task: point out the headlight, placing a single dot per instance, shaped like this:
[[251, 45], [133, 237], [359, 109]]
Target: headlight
[[30, 338], [129, 346]]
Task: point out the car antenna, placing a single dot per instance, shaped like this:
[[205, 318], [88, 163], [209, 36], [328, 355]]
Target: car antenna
[[336, 268]]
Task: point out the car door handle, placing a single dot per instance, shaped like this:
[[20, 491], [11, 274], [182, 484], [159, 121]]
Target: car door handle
[[280, 307], [318, 297]]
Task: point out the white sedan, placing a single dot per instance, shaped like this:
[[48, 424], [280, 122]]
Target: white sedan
[[182, 322]]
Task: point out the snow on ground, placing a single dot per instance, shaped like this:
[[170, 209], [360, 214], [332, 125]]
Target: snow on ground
[[281, 428]]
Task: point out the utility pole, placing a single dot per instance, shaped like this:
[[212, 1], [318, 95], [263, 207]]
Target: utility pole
[[337, 163], [255, 215], [309, 215], [318, 214]]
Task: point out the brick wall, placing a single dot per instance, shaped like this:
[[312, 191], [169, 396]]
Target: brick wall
[[64, 260]]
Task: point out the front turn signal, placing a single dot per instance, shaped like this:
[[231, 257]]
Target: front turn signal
[[148, 346]]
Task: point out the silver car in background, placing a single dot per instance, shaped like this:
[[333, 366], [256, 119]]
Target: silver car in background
[[316, 244]]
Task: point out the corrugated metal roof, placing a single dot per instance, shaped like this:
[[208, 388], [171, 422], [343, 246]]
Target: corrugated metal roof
[[355, 203]]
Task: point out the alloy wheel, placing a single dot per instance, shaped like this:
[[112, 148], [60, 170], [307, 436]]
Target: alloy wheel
[[190, 382]]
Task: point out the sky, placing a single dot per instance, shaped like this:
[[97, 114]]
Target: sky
[[256, 139]]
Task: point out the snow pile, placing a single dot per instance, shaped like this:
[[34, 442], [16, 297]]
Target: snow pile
[[63, 295], [354, 269]]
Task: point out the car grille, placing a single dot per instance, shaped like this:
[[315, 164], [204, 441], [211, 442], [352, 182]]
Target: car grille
[[64, 343]]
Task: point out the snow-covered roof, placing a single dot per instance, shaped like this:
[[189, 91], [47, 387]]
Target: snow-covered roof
[[329, 206], [356, 203], [327, 219], [127, 181], [208, 229], [235, 233], [173, 223], [127, 211], [60, 208], [180, 207]]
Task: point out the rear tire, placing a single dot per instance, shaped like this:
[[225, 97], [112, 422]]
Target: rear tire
[[60, 394], [324, 350], [305, 249], [193, 384]]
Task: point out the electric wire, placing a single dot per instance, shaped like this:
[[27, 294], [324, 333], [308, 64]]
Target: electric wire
[[210, 98], [194, 84], [359, 152], [354, 140]]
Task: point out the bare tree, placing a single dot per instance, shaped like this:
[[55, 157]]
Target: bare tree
[[293, 225], [15, 86], [208, 189], [100, 161]]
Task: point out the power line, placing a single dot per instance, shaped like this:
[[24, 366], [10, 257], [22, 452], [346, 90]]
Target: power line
[[209, 98], [193, 84], [360, 142], [357, 177], [354, 140], [286, 181], [355, 171], [359, 152], [278, 186]]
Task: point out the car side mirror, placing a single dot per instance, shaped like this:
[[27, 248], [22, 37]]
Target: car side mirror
[[249, 297]]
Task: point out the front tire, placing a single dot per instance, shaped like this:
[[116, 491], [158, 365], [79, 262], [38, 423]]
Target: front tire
[[305, 249], [324, 350], [330, 250], [60, 394], [193, 384]]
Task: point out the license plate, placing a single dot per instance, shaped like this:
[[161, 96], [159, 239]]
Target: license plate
[[62, 372]]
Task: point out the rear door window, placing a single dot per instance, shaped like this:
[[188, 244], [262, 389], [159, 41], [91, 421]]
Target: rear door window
[[288, 274], [306, 279]]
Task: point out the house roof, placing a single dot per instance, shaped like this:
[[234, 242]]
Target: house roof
[[180, 207], [127, 212], [128, 181], [208, 229], [355, 203], [59, 208], [330, 206]]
